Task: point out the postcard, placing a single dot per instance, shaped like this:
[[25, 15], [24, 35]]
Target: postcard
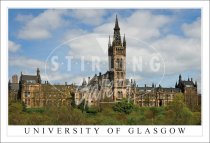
[[121, 72]]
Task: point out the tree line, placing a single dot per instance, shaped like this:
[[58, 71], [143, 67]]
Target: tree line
[[120, 113]]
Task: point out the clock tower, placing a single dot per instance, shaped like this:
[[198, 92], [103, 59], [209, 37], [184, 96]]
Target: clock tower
[[117, 63]]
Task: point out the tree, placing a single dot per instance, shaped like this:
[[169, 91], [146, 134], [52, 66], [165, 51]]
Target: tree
[[177, 111], [196, 119], [152, 113], [124, 106], [73, 102]]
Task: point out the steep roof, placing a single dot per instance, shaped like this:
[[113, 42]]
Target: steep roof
[[29, 77], [157, 88], [188, 83], [145, 88]]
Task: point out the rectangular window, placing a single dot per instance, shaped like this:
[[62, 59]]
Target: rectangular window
[[27, 94]]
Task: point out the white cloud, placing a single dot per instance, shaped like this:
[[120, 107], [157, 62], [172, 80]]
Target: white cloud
[[89, 16], [41, 26], [89, 45], [138, 25], [13, 47], [24, 18], [192, 29], [73, 34], [25, 62], [181, 53], [61, 78], [142, 25]]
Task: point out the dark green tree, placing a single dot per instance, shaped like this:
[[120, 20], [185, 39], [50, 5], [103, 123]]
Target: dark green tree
[[177, 112], [123, 106]]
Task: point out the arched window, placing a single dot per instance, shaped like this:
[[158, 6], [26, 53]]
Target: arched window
[[120, 94], [118, 75], [117, 63], [121, 63]]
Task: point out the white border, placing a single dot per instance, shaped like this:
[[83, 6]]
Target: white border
[[204, 5]]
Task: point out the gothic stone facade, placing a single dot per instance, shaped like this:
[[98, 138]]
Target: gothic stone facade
[[113, 86], [34, 93]]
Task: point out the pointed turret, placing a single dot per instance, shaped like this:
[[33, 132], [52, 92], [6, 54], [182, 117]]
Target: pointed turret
[[38, 72], [21, 74], [38, 76], [134, 83], [124, 41], [195, 83], [180, 78], [84, 83], [109, 43], [116, 24], [116, 36]]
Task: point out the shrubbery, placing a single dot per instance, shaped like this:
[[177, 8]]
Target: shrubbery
[[123, 106], [121, 113]]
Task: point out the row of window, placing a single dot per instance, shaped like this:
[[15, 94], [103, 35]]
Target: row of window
[[154, 96], [44, 102], [119, 64], [120, 75]]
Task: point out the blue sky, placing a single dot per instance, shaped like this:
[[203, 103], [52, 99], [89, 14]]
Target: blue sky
[[174, 35]]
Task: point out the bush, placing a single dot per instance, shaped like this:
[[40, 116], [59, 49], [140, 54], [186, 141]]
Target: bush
[[35, 110], [124, 107], [92, 110], [177, 111], [121, 113]]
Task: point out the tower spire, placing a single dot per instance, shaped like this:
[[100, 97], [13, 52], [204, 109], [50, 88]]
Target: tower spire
[[124, 41], [116, 24], [180, 77], [109, 43], [195, 83], [38, 76], [116, 36]]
